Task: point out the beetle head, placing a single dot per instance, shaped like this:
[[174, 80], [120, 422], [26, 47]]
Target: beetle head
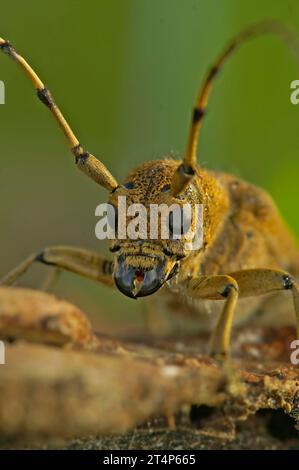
[[144, 263]]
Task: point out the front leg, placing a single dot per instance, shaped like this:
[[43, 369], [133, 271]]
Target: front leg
[[254, 282], [76, 260], [217, 288], [239, 284]]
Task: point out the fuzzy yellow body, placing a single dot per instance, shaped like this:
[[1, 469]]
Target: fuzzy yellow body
[[243, 230], [247, 251]]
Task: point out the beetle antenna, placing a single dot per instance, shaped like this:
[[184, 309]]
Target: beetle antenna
[[264, 27], [89, 164]]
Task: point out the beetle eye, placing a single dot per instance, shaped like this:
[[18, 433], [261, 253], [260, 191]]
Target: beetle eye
[[179, 222], [112, 217], [175, 225]]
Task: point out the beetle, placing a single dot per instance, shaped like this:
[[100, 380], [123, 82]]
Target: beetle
[[247, 250]]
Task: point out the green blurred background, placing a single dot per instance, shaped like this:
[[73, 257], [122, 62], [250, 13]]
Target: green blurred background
[[125, 73]]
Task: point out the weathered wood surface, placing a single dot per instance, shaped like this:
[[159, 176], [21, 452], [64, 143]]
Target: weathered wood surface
[[62, 380]]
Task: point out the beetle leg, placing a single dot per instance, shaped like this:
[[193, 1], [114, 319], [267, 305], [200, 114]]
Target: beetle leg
[[50, 280], [218, 288], [254, 282], [239, 284], [76, 260]]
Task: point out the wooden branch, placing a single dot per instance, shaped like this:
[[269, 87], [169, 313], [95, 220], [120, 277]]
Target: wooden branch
[[100, 385]]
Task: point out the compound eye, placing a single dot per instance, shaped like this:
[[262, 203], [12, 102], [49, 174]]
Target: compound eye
[[112, 217], [179, 222]]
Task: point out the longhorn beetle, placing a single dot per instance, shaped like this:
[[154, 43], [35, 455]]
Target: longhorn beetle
[[247, 249]]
